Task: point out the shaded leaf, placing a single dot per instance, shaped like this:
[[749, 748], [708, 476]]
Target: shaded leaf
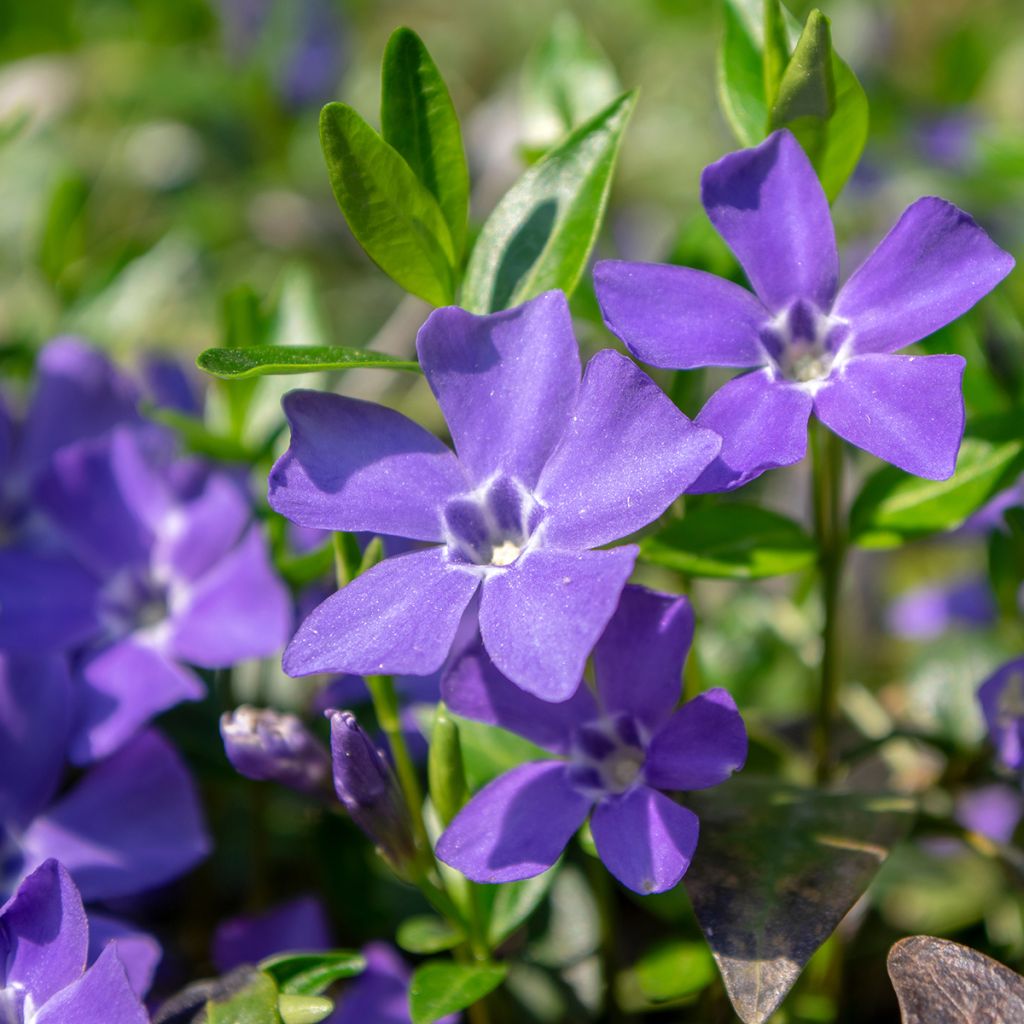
[[673, 971], [942, 982], [733, 541], [846, 133], [514, 902], [441, 987], [425, 934], [541, 232], [776, 869], [309, 974], [418, 120], [392, 216], [446, 773], [261, 360], [488, 751]]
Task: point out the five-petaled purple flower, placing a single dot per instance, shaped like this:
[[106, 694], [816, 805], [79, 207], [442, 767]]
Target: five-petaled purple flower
[[816, 347], [619, 747], [1002, 702], [548, 469]]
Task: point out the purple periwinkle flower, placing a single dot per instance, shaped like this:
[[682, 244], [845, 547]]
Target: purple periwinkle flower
[[44, 942], [816, 347], [298, 924], [273, 746], [929, 611], [993, 811], [548, 468], [1002, 702], [618, 748]]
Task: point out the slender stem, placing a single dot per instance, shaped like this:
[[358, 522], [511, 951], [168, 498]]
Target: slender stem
[[604, 894], [827, 455]]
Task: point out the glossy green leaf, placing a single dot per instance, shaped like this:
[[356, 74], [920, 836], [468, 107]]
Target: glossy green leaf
[[671, 972], [514, 902], [894, 507], [304, 1009], [264, 360], [732, 541], [255, 1003], [426, 934], [441, 987], [309, 974], [741, 75], [775, 871], [776, 49], [846, 133], [392, 216], [488, 751], [418, 120], [541, 233]]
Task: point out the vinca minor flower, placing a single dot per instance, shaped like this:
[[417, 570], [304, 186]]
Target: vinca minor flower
[[1002, 702], [547, 469], [619, 747], [816, 347]]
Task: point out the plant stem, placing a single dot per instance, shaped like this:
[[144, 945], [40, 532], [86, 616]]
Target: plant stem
[[827, 456]]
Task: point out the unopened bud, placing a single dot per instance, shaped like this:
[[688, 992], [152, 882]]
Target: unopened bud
[[272, 746], [445, 770]]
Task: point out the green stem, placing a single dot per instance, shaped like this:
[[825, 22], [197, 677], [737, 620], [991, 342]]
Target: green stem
[[604, 893], [827, 455]]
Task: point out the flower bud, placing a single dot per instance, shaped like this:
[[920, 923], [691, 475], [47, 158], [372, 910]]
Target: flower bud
[[275, 747], [445, 771]]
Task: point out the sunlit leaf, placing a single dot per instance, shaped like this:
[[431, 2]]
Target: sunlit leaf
[[263, 360], [673, 971], [309, 974], [440, 987], [255, 1003]]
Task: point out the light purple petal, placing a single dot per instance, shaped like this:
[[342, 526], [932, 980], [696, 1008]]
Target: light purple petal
[[932, 266], [516, 826], [506, 383], [763, 425], [768, 205], [627, 455], [354, 465], [994, 811], [701, 745], [400, 617], [138, 951], [907, 410], [645, 839], [299, 924], [35, 721], [6, 444], [1001, 696], [103, 993], [46, 932], [474, 688], [541, 617], [122, 688], [131, 823], [239, 609], [680, 318], [638, 662], [927, 612]]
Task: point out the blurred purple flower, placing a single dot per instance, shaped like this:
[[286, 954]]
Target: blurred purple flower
[[299, 924], [930, 611], [619, 748], [1002, 702], [815, 350], [950, 140], [548, 469], [993, 811], [990, 516]]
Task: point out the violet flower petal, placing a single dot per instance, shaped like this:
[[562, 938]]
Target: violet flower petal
[[355, 465], [300, 923], [701, 745], [907, 410], [680, 318], [103, 993], [645, 839], [627, 455], [138, 951], [400, 616], [769, 206], [506, 383], [540, 618], [516, 826], [1006, 728], [993, 811], [929, 269]]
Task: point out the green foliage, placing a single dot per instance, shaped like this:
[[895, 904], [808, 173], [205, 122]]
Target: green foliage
[[514, 902], [488, 751], [445, 770], [271, 360], [255, 1002], [440, 987], [309, 974], [426, 934], [304, 1009], [672, 972]]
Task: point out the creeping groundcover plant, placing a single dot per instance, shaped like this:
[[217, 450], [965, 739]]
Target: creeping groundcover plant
[[483, 672]]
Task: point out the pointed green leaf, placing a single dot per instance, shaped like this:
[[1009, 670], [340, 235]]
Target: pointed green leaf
[[418, 120], [263, 360], [847, 131], [440, 987], [309, 974], [392, 216], [541, 233], [426, 934], [741, 70], [807, 88], [776, 49]]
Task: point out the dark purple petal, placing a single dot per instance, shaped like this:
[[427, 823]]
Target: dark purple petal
[[381, 993], [139, 952], [299, 924], [474, 688], [768, 205], [46, 933], [399, 617], [122, 688], [932, 266], [541, 617], [907, 410], [680, 318], [354, 465], [516, 826], [763, 425], [48, 602], [35, 721], [638, 662], [103, 993], [645, 839], [112, 833], [1002, 702], [627, 455], [239, 609], [6, 444], [506, 383], [701, 745]]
